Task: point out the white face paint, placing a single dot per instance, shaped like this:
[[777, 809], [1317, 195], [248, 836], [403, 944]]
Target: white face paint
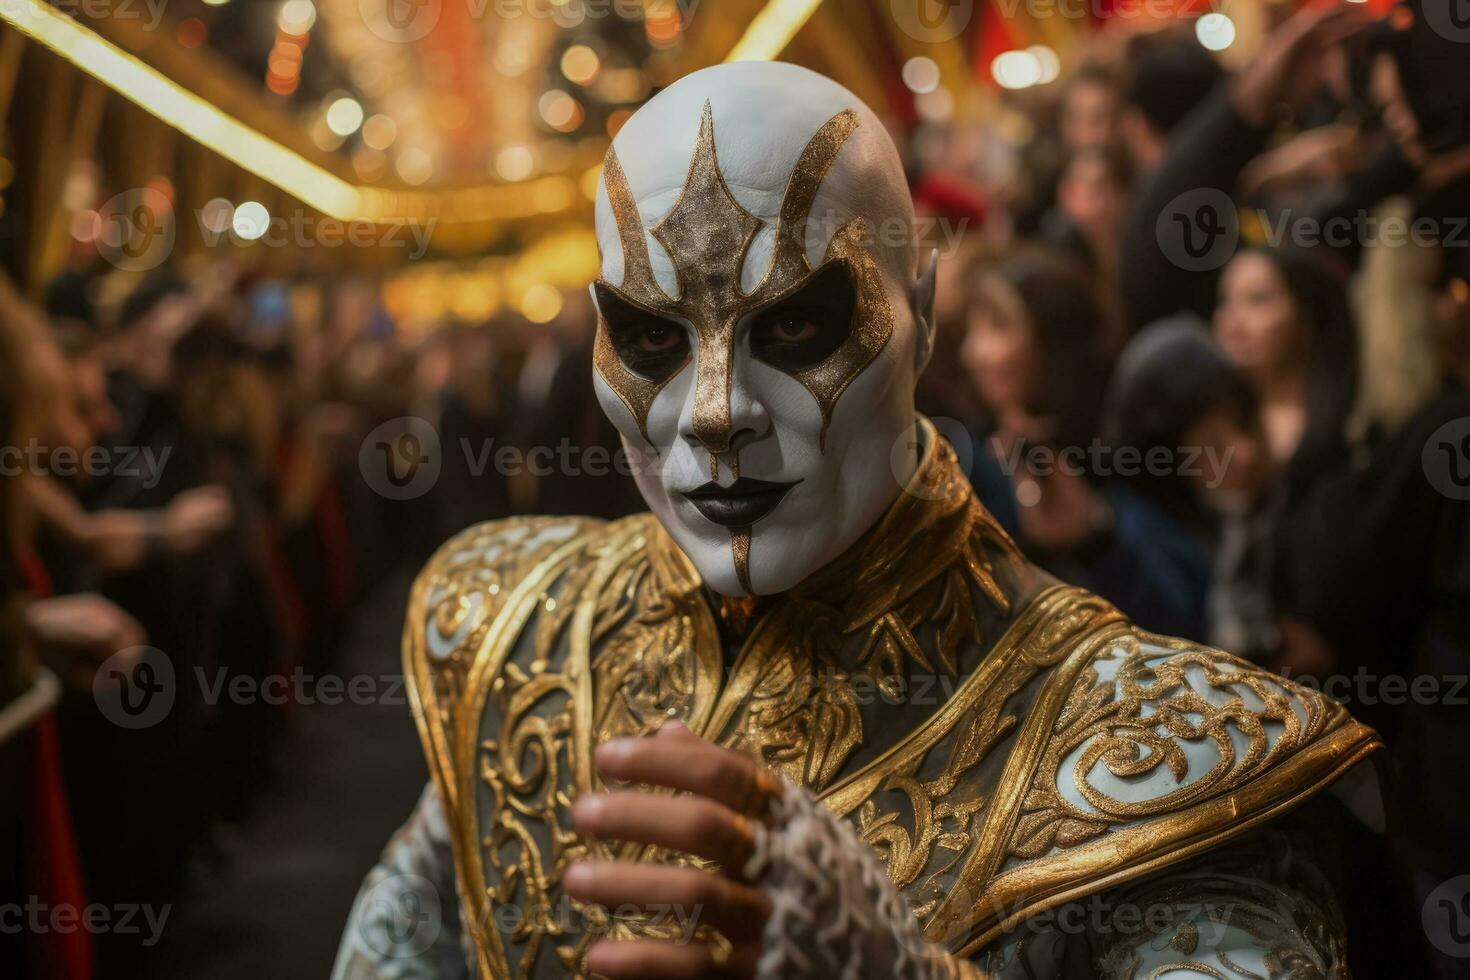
[[760, 327]]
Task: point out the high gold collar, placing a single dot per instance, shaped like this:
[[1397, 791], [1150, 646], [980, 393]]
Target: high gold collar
[[927, 530]]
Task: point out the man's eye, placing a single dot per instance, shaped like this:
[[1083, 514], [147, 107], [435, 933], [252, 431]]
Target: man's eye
[[657, 338], [793, 330], [805, 329], [651, 347]]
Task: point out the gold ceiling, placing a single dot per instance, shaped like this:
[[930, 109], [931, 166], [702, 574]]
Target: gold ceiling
[[483, 119]]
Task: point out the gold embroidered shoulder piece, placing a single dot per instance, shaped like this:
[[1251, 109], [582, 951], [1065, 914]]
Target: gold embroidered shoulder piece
[[1139, 752], [1004, 743]]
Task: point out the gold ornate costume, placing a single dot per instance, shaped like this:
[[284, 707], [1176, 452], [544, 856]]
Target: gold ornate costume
[[1005, 743]]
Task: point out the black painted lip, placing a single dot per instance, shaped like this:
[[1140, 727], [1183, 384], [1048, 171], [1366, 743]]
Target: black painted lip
[[740, 504]]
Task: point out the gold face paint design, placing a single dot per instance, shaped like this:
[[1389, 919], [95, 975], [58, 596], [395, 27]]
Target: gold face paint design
[[707, 235], [740, 549]]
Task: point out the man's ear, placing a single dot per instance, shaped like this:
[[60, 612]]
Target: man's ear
[[923, 306]]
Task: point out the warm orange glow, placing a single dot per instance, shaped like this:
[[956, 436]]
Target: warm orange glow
[[772, 29], [191, 32]]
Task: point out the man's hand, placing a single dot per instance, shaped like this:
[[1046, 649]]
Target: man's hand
[[719, 792]]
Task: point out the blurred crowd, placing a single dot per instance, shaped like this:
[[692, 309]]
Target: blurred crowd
[[1234, 424]]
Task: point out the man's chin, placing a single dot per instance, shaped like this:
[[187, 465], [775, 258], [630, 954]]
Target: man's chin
[[715, 560]]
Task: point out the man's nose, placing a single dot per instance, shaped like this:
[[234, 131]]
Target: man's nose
[[725, 414]]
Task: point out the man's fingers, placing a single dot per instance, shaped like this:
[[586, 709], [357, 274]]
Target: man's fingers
[[674, 728], [691, 824], [692, 897], [658, 959], [689, 763]]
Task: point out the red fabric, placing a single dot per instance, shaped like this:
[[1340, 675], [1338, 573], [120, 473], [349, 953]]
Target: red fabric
[[33, 573], [285, 590], [950, 198], [337, 546], [55, 870], [996, 35], [285, 594]]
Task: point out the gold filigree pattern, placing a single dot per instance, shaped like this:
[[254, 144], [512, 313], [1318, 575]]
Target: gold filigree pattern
[[1144, 719], [1145, 751], [790, 701], [531, 641], [986, 713]]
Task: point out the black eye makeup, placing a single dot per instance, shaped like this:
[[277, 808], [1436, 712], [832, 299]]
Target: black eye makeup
[[804, 329], [651, 346]]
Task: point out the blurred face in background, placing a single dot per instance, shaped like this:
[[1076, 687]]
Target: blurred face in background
[[1000, 352], [1238, 466], [1089, 114], [1089, 193], [63, 422], [93, 405], [1256, 318]]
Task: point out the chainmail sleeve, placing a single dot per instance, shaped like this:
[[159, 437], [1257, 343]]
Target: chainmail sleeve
[[834, 913], [1259, 907], [404, 924]]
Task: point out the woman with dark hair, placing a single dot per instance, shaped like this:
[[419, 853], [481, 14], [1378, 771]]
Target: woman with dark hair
[[1033, 350], [1033, 346], [1282, 317], [1173, 387], [1284, 322]]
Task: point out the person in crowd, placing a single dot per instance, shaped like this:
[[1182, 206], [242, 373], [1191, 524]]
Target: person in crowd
[[68, 634], [1174, 388], [1282, 317], [1383, 569], [584, 468], [948, 207], [1208, 151], [1033, 350], [1169, 73], [1083, 120], [1090, 108], [475, 409], [113, 540], [1091, 197]]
